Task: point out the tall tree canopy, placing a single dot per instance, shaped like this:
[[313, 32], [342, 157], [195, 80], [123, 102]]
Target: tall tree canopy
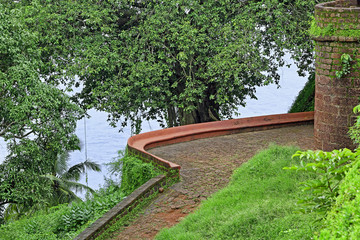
[[37, 120], [181, 61]]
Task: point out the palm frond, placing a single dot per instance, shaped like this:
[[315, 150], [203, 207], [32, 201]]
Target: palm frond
[[64, 195], [15, 211], [78, 187], [51, 177], [75, 171], [92, 166], [64, 189], [60, 164]]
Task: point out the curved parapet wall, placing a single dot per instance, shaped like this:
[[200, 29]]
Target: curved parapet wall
[[139, 144], [338, 27]]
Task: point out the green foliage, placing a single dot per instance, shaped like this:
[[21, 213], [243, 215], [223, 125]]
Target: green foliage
[[178, 61], [62, 183], [82, 214], [63, 221], [134, 171], [345, 64], [315, 30], [334, 193], [42, 226], [67, 221], [258, 203], [37, 121], [64, 180], [330, 30], [343, 221], [355, 129], [305, 100], [124, 221], [330, 169]]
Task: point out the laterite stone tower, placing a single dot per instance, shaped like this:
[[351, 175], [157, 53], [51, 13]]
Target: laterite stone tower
[[336, 34]]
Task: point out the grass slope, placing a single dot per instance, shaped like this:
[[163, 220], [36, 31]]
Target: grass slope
[[305, 100], [258, 203]]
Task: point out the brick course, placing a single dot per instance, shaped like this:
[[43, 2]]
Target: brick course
[[335, 98]]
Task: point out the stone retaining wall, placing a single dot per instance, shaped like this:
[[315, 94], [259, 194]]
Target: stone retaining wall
[[124, 207]]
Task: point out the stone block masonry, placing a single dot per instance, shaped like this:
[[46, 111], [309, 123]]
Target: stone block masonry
[[124, 207], [334, 97]]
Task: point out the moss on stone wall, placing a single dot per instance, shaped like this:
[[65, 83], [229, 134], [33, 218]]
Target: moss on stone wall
[[333, 19], [330, 30]]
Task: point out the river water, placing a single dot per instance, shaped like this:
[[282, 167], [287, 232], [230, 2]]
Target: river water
[[103, 142]]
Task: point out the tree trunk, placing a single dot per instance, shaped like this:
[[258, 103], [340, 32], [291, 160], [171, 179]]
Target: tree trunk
[[172, 117], [205, 111]]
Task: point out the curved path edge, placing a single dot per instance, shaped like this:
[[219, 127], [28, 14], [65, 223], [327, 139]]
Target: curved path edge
[[139, 144]]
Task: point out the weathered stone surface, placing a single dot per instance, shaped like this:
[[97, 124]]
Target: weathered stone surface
[[335, 98], [122, 208]]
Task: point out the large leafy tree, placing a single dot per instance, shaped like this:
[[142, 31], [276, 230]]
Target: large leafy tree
[[37, 120], [181, 61]]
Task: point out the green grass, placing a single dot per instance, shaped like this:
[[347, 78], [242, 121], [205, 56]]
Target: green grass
[[259, 203], [305, 100]]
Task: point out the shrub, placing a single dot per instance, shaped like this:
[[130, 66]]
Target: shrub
[[41, 226], [67, 221], [343, 221], [355, 129], [134, 171], [330, 168]]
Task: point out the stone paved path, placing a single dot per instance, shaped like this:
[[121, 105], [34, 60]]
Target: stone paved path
[[206, 166]]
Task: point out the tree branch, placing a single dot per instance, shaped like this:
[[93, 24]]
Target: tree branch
[[2, 133], [24, 136]]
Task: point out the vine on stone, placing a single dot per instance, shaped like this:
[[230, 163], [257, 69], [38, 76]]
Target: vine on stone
[[346, 65]]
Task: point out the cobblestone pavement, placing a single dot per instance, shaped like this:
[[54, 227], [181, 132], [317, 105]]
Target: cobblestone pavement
[[206, 167]]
